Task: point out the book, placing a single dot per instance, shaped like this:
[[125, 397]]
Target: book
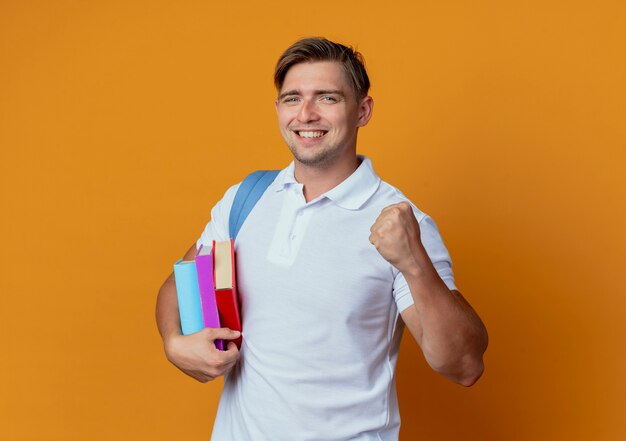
[[204, 268], [226, 286], [187, 291]]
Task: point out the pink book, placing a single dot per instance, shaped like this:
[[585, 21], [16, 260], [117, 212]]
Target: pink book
[[204, 267]]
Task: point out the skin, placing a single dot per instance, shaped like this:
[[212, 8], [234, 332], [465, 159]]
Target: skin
[[316, 97]]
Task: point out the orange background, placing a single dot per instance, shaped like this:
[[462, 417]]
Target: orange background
[[122, 122]]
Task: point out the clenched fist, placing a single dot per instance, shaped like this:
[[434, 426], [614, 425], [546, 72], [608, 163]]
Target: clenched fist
[[396, 236]]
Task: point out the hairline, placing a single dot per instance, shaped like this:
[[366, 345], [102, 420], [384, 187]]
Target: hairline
[[319, 49]]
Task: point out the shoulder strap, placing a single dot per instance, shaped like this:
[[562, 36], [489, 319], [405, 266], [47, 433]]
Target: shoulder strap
[[248, 194]]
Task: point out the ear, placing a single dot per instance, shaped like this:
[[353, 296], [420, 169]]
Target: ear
[[366, 106]]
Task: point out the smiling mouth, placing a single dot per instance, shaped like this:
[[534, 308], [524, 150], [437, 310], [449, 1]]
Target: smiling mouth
[[311, 133]]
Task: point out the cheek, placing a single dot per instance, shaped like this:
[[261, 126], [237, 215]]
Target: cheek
[[339, 124], [283, 122], [338, 119], [285, 118]]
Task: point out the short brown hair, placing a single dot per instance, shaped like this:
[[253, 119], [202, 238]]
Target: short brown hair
[[320, 49]]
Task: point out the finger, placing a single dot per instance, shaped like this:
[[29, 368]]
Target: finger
[[223, 334], [394, 207], [231, 348], [388, 208], [383, 228], [379, 223], [374, 239], [231, 354], [381, 217]]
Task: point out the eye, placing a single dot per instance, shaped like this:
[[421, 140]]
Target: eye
[[290, 99], [328, 99]]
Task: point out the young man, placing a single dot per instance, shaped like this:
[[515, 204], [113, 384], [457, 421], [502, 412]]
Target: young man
[[333, 262]]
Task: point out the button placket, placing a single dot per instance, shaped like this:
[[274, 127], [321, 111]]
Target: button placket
[[289, 233]]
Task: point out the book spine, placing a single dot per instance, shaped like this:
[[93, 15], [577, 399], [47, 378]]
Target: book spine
[[189, 306], [229, 311], [204, 267]]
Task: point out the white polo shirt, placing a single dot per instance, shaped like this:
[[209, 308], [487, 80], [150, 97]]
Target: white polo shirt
[[320, 311]]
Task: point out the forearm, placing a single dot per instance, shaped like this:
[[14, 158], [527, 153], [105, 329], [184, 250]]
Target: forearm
[[450, 333], [167, 317]]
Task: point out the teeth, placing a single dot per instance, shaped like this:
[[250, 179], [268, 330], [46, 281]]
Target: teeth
[[311, 134]]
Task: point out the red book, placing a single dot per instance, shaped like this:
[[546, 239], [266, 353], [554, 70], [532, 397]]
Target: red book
[[226, 286]]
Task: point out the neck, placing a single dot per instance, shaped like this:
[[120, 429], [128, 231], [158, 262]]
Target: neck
[[318, 180]]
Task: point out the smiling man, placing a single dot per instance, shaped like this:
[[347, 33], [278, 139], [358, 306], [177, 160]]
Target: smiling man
[[333, 264]]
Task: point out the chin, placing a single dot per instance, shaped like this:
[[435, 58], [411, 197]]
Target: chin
[[319, 159]]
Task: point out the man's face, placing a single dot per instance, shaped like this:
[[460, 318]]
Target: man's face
[[319, 115]]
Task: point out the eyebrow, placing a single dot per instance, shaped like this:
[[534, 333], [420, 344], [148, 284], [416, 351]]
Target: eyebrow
[[317, 92]]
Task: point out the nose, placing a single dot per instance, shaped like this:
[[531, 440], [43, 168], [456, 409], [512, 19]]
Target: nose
[[308, 112]]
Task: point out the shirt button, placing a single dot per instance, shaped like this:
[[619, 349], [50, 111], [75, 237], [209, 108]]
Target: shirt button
[[293, 237]]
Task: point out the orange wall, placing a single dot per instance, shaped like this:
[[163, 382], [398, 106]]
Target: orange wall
[[121, 123]]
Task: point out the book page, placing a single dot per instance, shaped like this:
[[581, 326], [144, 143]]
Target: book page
[[223, 265]]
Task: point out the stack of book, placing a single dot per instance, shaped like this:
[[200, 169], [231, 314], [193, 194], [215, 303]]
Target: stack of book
[[207, 290]]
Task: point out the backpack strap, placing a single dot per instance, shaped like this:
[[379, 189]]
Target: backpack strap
[[248, 194]]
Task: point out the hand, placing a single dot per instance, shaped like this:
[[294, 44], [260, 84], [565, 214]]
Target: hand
[[197, 356], [396, 236]]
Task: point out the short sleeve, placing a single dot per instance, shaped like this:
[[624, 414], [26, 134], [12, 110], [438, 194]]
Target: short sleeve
[[217, 228], [439, 256]]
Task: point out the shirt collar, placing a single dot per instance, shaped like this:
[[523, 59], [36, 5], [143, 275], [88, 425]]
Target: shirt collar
[[351, 194]]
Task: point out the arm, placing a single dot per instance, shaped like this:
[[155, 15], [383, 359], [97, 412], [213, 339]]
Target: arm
[[194, 354], [447, 329]]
